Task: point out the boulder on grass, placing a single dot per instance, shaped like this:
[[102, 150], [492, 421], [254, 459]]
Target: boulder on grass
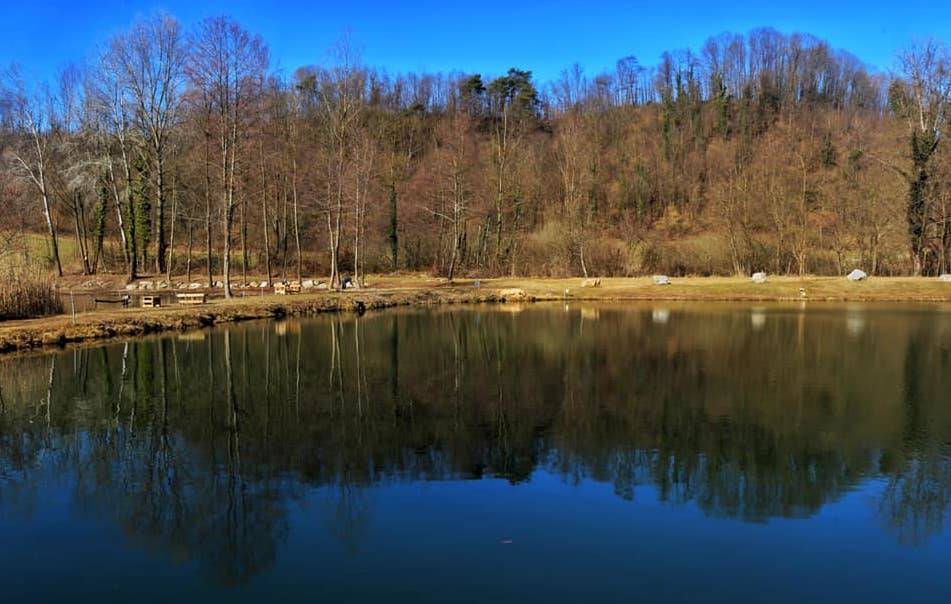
[[857, 275], [308, 284], [946, 278], [596, 282], [759, 277], [194, 286], [661, 280]]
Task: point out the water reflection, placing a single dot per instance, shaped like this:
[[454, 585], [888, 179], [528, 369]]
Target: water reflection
[[197, 444]]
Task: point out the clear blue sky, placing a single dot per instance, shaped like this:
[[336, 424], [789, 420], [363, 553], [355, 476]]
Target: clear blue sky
[[485, 36]]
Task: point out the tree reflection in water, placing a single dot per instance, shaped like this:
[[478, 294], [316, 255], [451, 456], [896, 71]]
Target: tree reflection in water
[[196, 445]]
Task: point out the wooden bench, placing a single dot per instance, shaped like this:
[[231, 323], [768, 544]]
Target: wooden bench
[[192, 298], [151, 301]]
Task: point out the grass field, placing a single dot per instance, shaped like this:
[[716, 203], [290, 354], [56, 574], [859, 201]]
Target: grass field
[[734, 288], [613, 288]]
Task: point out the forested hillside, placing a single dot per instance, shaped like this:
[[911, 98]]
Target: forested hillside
[[185, 150]]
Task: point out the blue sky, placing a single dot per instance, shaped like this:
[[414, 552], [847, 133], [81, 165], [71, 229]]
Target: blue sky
[[487, 36]]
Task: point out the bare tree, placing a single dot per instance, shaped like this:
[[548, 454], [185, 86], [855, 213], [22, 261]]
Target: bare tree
[[109, 130], [340, 93], [925, 101], [227, 64], [150, 59], [364, 163], [454, 151], [575, 155], [30, 112]]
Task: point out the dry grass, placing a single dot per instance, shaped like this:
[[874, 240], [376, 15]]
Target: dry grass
[[25, 297], [885, 289]]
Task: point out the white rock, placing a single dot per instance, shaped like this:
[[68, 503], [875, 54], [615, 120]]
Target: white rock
[[308, 284], [857, 275], [219, 284], [321, 286], [194, 286], [946, 278], [759, 278], [661, 280], [130, 287]]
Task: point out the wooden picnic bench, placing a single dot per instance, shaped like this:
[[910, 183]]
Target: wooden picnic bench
[[151, 301], [192, 298]]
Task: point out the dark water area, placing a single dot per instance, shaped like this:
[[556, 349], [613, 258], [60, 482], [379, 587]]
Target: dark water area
[[654, 453]]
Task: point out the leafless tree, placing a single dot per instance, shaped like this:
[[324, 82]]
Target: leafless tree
[[30, 111], [227, 64], [150, 59]]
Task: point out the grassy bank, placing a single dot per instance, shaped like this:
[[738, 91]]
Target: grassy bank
[[416, 290], [99, 325], [877, 289]]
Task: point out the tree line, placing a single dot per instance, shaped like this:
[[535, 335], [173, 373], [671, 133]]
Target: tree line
[[183, 152]]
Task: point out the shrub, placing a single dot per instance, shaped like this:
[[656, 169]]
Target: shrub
[[26, 297]]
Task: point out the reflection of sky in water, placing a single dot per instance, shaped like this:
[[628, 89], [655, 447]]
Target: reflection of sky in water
[[547, 539], [513, 456]]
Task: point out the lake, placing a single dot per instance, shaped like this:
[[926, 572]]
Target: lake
[[643, 452]]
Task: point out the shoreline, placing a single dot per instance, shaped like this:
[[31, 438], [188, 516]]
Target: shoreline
[[98, 325]]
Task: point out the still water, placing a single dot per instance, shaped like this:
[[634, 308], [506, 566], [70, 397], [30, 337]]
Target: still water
[[691, 453]]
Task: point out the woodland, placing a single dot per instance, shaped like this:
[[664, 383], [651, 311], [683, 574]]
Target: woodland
[[181, 151]]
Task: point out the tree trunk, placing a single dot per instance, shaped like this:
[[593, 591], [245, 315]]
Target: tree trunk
[[132, 240], [171, 239], [226, 261], [160, 244], [300, 261], [264, 221], [333, 254], [54, 245], [188, 257], [394, 229], [120, 222], [244, 238], [80, 232]]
